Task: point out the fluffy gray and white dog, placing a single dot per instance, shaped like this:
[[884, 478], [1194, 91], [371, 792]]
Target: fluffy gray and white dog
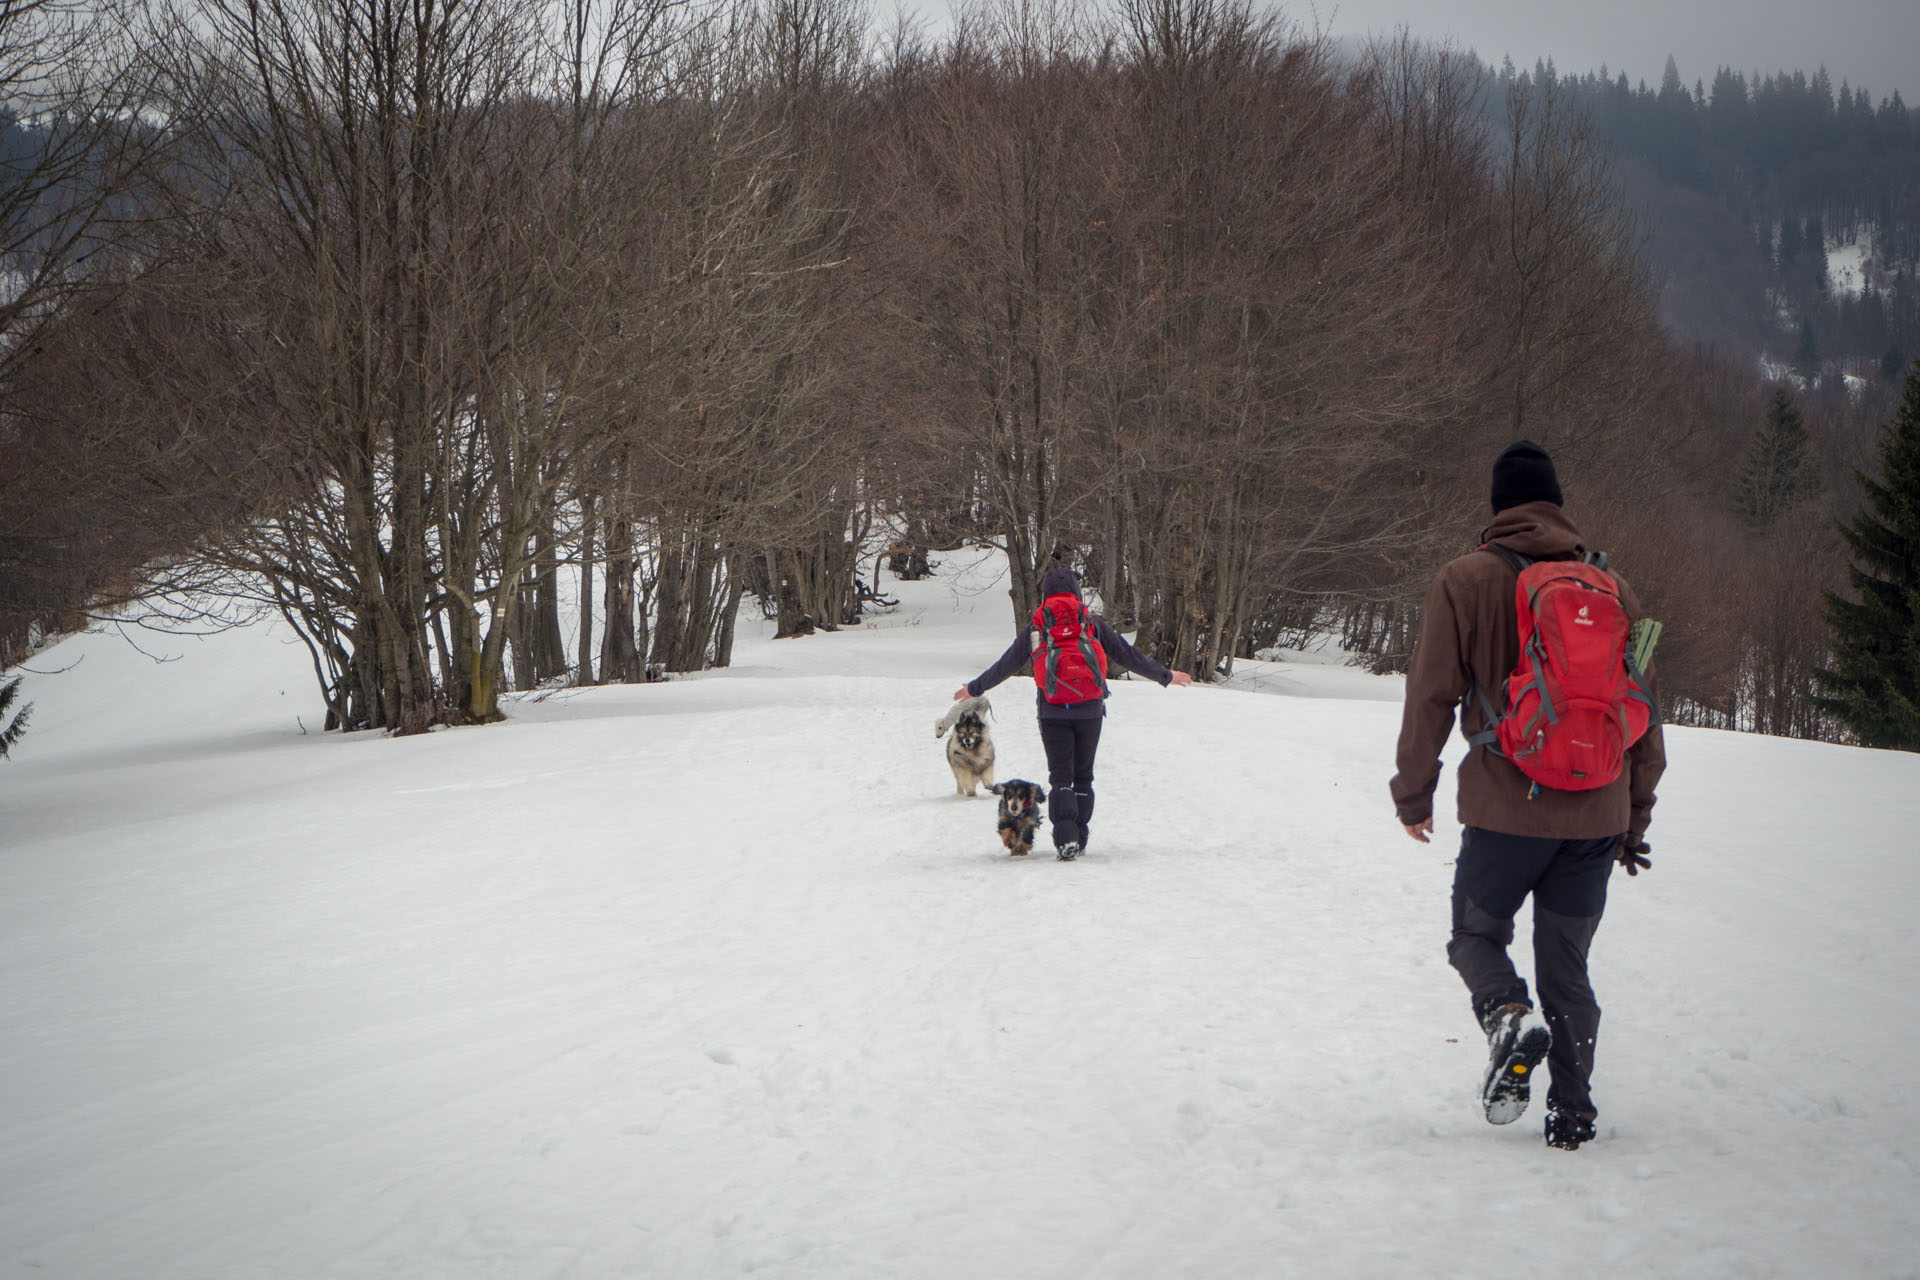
[[970, 749]]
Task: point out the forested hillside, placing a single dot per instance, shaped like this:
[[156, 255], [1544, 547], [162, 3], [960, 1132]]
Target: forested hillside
[[664, 309], [1786, 213]]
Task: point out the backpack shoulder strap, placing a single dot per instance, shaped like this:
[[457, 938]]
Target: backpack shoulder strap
[[1488, 737], [1515, 561], [1519, 563]]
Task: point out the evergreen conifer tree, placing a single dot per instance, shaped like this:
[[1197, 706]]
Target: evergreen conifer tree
[[1806, 356], [1874, 684], [1892, 362], [1777, 470], [1789, 241], [1815, 241], [10, 734]]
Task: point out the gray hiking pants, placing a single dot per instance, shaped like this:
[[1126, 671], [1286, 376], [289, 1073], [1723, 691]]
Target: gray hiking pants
[[1568, 880]]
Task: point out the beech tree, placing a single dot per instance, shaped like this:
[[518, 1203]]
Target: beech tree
[[1567, 287], [1005, 168], [1281, 328], [72, 144]]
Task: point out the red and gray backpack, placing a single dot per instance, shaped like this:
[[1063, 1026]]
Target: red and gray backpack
[[1069, 662], [1575, 702]]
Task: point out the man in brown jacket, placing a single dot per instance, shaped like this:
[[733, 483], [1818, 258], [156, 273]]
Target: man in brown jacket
[[1558, 846]]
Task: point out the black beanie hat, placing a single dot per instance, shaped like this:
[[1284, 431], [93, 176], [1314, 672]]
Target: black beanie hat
[[1058, 579], [1524, 473]]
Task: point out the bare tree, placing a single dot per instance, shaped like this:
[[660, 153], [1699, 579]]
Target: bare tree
[[1001, 159], [719, 446], [1277, 335], [1563, 262], [72, 143], [409, 225]]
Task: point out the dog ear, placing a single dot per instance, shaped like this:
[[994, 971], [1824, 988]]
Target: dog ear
[[998, 788]]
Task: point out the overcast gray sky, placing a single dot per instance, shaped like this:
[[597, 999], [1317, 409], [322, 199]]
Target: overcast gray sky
[[1870, 42]]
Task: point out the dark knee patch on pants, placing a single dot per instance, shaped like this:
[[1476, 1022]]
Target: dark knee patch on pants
[[1468, 917], [1478, 952]]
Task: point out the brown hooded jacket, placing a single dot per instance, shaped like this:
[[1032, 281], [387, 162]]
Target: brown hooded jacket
[[1469, 633]]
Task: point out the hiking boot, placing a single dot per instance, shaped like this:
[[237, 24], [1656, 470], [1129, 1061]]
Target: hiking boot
[[1517, 1039], [1566, 1131], [1069, 851]]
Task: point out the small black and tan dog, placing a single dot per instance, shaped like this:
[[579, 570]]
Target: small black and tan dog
[[1021, 803]]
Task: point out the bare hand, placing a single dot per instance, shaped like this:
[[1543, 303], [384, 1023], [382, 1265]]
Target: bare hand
[[1181, 679], [961, 694], [1420, 831]]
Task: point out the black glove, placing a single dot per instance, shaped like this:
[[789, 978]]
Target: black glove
[[1635, 857]]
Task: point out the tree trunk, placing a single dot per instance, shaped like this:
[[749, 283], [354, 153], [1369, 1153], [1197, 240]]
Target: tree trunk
[[583, 673], [620, 650], [664, 651], [549, 643], [790, 614]]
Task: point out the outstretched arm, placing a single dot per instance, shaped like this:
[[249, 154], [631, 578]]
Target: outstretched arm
[[1118, 650], [1013, 660]]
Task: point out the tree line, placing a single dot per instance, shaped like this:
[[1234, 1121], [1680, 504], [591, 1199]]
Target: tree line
[[1751, 178], [416, 323]]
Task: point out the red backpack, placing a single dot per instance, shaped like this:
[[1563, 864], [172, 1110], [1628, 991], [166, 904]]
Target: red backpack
[[1575, 702], [1069, 664]]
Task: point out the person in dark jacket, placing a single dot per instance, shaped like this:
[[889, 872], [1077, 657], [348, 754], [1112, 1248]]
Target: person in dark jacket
[[1557, 846], [1069, 732]]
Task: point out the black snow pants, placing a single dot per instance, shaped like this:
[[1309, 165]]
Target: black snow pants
[[1070, 746], [1568, 880]]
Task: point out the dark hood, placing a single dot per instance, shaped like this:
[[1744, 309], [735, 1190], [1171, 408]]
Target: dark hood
[[1058, 580], [1537, 530]]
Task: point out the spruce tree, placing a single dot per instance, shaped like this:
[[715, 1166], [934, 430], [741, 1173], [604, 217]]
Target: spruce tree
[[1777, 469], [1815, 241], [1789, 241], [1806, 356], [10, 734], [1874, 684]]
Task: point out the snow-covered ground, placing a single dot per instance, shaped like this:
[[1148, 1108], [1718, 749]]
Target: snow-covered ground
[[1852, 263], [718, 977]]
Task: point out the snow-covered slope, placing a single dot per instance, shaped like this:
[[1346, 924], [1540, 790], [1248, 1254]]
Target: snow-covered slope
[[718, 977]]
